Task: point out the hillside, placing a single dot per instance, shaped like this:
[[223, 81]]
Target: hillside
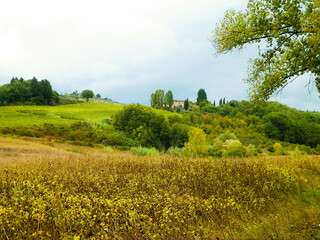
[[256, 127], [53, 188], [27, 116]]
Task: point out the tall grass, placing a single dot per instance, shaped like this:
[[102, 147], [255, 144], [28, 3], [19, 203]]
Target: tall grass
[[50, 193]]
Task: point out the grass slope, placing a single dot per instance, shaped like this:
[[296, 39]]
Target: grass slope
[[26, 116]]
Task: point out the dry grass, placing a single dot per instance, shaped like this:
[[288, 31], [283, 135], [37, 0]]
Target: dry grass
[[52, 191]]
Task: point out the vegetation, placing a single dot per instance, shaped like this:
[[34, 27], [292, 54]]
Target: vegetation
[[53, 191], [160, 100], [202, 96], [28, 92], [233, 171], [135, 125], [186, 104], [148, 127], [289, 31], [29, 116], [87, 94]]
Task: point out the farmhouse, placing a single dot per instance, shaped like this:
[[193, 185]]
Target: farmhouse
[[178, 104]]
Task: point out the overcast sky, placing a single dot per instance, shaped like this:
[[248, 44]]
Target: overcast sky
[[125, 49]]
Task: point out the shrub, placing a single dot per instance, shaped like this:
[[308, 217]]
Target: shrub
[[251, 151], [234, 148], [277, 147], [298, 154], [216, 149], [227, 136], [118, 139], [108, 149], [144, 151], [175, 151], [197, 144], [143, 124]]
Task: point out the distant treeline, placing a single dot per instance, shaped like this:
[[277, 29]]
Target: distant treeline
[[33, 92]]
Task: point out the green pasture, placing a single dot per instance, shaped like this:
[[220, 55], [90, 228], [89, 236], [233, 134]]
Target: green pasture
[[25, 116]]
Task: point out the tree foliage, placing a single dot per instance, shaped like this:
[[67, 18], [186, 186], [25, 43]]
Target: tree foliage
[[157, 99], [87, 94], [290, 33], [202, 96], [160, 100], [32, 91], [186, 104], [148, 127], [197, 144], [169, 99]]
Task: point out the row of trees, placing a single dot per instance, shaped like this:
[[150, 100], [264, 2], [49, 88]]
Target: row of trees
[[203, 100], [28, 91], [160, 100], [32, 91]]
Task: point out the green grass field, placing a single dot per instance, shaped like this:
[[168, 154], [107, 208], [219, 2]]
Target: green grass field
[[26, 116]]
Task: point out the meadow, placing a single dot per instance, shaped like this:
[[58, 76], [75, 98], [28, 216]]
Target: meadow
[[58, 191], [28, 116]]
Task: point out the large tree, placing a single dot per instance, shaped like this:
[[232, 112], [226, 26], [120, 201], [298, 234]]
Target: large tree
[[290, 33], [158, 99], [87, 94], [169, 99], [202, 96]]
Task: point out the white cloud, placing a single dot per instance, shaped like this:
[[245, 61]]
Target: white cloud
[[123, 49]]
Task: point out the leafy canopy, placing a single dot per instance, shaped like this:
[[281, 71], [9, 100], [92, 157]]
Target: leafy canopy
[[87, 94], [290, 33], [160, 100], [202, 96]]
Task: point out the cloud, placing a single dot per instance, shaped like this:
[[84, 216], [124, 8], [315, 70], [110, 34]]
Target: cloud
[[123, 49]]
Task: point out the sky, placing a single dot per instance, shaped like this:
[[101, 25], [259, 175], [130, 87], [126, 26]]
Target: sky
[[125, 50]]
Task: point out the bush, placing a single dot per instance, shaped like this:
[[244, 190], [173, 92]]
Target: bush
[[227, 136], [234, 148], [298, 154], [108, 149], [277, 147], [175, 151], [143, 124], [197, 144], [118, 139], [251, 151], [144, 151], [216, 149]]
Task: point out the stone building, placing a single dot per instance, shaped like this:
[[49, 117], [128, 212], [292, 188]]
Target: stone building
[[178, 104]]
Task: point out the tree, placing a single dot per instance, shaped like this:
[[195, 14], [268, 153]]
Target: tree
[[153, 100], [186, 104], [197, 144], [87, 94], [169, 99], [143, 124], [98, 95], [202, 96], [290, 31], [158, 99]]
